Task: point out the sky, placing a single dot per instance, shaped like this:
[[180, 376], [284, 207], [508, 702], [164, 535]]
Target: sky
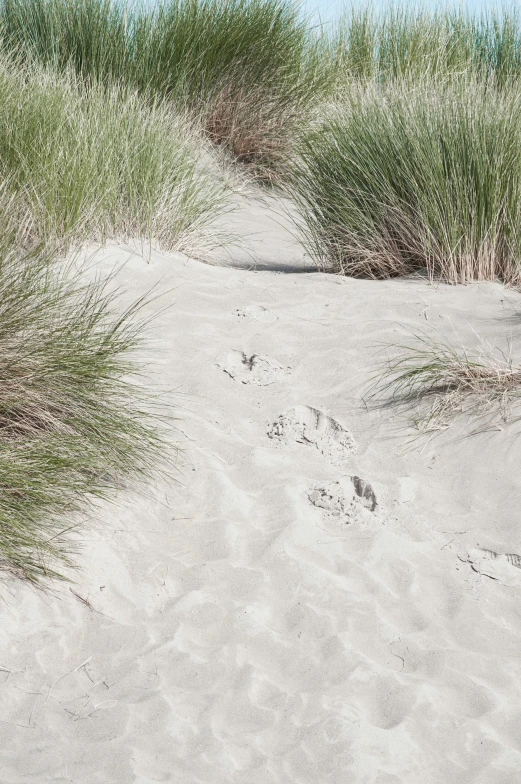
[[330, 9]]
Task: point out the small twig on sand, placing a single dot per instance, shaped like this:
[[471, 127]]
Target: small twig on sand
[[65, 675], [87, 603]]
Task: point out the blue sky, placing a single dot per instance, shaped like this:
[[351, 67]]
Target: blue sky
[[329, 9]]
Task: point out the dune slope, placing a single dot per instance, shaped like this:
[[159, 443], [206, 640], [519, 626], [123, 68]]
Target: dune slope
[[309, 599]]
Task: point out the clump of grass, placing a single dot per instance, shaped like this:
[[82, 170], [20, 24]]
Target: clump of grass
[[74, 421], [403, 42], [255, 127], [250, 70], [449, 380], [244, 68], [89, 165], [90, 36], [405, 178]]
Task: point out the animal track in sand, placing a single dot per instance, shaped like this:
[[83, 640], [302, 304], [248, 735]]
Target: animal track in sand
[[312, 427], [255, 369], [257, 312], [347, 500], [506, 568]]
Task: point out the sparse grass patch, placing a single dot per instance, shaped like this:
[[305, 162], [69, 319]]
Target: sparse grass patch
[[444, 381]]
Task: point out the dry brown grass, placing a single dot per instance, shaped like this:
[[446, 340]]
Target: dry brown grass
[[254, 128]]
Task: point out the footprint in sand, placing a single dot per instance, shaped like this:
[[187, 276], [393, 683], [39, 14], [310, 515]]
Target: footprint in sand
[[257, 312], [255, 369], [364, 492], [504, 568], [348, 500], [312, 427]]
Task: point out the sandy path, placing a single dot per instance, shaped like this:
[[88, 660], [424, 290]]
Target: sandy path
[[299, 607]]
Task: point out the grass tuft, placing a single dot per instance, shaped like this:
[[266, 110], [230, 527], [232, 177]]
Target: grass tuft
[[450, 380], [402, 42], [91, 165], [74, 420], [408, 177]]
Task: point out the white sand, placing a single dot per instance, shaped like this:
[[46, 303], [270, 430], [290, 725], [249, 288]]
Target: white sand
[[262, 620]]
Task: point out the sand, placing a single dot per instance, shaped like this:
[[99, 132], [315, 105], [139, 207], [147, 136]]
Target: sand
[[313, 596]]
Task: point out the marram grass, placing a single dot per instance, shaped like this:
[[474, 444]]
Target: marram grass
[[445, 381], [405, 177], [74, 421], [250, 71], [91, 165], [246, 70], [406, 42]]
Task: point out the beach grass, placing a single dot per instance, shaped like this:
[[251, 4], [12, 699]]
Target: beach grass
[[247, 70], [415, 176], [78, 166], [398, 41], [90, 165], [415, 165], [250, 70], [75, 420], [445, 381]]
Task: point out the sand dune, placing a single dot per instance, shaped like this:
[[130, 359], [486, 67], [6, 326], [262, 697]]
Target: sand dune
[[312, 597]]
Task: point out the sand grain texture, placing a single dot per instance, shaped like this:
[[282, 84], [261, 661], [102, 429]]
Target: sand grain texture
[[283, 613]]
